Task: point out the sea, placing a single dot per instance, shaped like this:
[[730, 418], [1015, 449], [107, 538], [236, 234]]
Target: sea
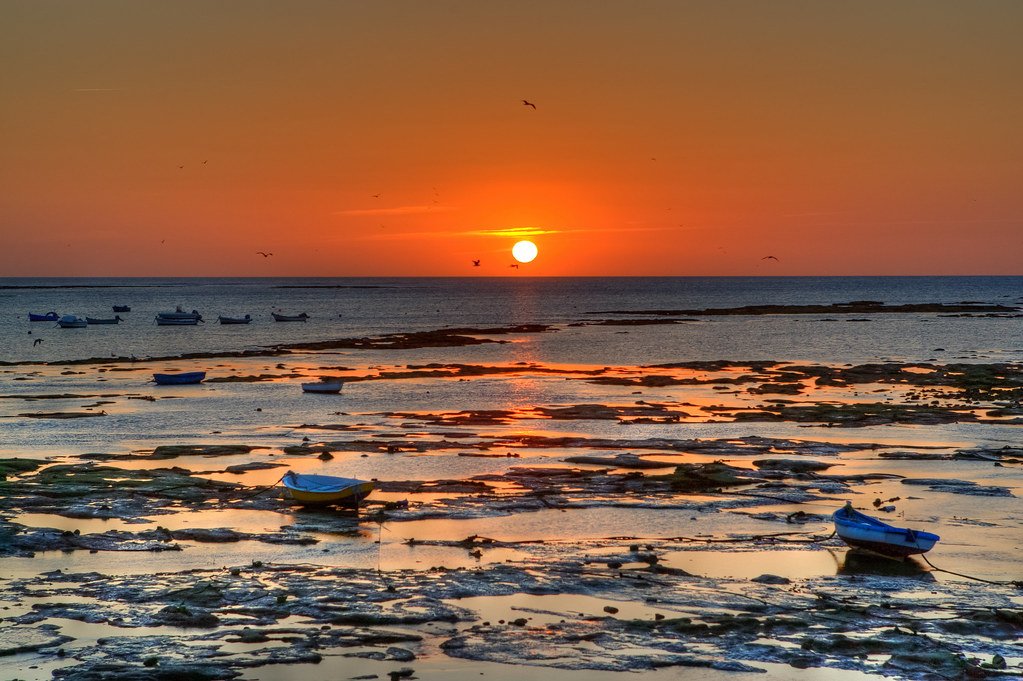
[[349, 307]]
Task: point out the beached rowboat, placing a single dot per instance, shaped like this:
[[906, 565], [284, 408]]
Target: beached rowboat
[[324, 385], [862, 531], [234, 320], [325, 490], [114, 320], [184, 378], [48, 317], [290, 317]]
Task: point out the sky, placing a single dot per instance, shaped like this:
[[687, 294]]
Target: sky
[[391, 138]]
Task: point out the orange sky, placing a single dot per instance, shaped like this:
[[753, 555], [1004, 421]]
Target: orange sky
[[669, 138]]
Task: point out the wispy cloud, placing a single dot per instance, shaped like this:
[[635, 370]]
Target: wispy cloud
[[397, 210], [509, 233], [513, 232]]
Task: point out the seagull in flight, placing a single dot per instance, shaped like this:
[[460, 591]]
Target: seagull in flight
[[770, 257], [265, 255], [475, 263], [526, 102], [515, 265], [36, 342]]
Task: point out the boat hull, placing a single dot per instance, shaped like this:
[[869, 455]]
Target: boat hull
[[325, 490], [176, 321], [187, 378], [289, 318], [48, 317], [72, 322], [323, 387], [235, 320], [861, 531]]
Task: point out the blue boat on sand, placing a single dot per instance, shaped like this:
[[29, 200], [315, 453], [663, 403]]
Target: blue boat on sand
[[861, 531], [186, 378], [48, 317]]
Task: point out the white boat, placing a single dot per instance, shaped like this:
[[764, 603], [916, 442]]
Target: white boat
[[234, 320], [289, 317], [324, 385], [175, 321], [326, 490], [70, 321], [179, 313]]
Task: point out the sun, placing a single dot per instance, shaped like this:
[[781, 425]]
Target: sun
[[524, 251]]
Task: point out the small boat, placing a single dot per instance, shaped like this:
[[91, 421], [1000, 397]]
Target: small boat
[[69, 321], [48, 317], [122, 308], [173, 321], [324, 385], [326, 490], [290, 317], [185, 378], [179, 315], [859, 530], [234, 320], [116, 318]]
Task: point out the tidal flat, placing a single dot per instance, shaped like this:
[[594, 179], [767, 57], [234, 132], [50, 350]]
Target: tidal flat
[[534, 516]]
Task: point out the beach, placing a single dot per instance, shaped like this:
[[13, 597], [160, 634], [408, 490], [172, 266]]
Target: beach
[[574, 478]]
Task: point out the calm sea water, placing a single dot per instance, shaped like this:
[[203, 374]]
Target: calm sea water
[[342, 308]]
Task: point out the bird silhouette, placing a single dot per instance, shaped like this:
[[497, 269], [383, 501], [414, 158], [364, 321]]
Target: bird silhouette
[[265, 255], [515, 265], [475, 263], [526, 102], [36, 342], [376, 196], [770, 257]]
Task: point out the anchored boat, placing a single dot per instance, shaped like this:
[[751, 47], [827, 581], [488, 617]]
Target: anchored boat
[[860, 530], [324, 490], [234, 320], [113, 320], [185, 378], [324, 385], [290, 317], [69, 321], [48, 317]]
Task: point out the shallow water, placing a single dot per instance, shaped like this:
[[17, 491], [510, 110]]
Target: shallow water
[[393, 429]]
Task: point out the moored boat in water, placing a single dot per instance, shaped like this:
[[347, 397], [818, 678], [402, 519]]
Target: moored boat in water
[[178, 318], [48, 317], [862, 531], [325, 385], [326, 490], [234, 320], [70, 321], [115, 319], [290, 317], [122, 308], [183, 378]]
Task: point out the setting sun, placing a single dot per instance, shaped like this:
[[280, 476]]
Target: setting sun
[[524, 251]]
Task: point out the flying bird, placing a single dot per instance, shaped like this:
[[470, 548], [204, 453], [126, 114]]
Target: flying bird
[[526, 102], [515, 265], [376, 196], [475, 263], [36, 342], [265, 255], [770, 257]]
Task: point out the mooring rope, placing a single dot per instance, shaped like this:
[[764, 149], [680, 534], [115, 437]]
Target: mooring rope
[[260, 490], [1016, 583]]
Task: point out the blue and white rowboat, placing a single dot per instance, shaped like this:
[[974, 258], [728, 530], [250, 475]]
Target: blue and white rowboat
[[861, 531]]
